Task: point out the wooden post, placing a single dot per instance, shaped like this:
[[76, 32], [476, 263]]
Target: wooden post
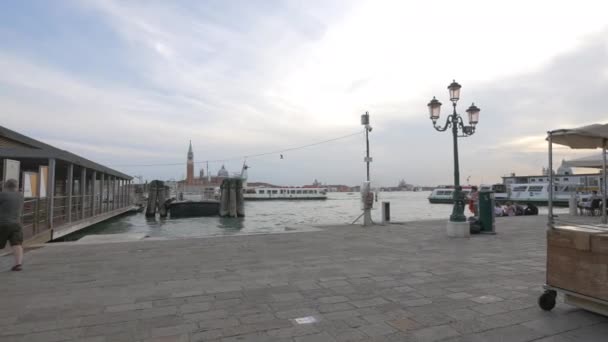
[[50, 189], [69, 190], [83, 191]]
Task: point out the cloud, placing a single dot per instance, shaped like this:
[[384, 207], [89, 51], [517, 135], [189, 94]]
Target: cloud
[[244, 77]]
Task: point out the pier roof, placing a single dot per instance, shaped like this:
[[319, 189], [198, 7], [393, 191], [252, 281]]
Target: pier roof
[[19, 146]]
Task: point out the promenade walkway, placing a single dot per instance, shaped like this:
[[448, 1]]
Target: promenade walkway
[[405, 282]]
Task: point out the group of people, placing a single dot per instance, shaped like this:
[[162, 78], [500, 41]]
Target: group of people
[[514, 209], [508, 209]]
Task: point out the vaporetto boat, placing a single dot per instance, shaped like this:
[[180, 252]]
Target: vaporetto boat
[[538, 193], [445, 194], [252, 194]]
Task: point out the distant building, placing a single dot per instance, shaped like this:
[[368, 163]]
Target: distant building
[[201, 180]]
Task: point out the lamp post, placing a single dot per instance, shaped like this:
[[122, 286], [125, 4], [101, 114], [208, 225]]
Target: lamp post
[[459, 130], [366, 191]]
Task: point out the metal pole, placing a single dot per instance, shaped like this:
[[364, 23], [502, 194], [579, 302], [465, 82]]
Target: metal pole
[[83, 191], [604, 188], [51, 193], [367, 150], [101, 186], [70, 190], [93, 197], [549, 139], [458, 209]]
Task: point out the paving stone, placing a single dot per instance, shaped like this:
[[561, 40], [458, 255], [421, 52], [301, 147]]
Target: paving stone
[[287, 297], [323, 308], [349, 335], [513, 333], [320, 337], [369, 302], [194, 307], [416, 302], [459, 295], [206, 335], [332, 299], [405, 324], [436, 333], [294, 331], [377, 329], [486, 299]]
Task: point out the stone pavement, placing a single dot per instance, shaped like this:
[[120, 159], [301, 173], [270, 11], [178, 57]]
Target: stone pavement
[[405, 282]]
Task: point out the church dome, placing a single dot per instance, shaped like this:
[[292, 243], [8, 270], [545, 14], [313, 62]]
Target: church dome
[[222, 172]]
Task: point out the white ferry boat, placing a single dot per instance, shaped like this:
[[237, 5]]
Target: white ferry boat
[[538, 193], [252, 194], [444, 194]]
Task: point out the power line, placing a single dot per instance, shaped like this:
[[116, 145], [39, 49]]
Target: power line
[[246, 156]]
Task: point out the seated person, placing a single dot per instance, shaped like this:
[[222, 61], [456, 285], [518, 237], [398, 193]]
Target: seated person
[[498, 210], [586, 205], [519, 210], [509, 209]]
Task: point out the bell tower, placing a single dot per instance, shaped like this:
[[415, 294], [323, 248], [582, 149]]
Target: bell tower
[[190, 166]]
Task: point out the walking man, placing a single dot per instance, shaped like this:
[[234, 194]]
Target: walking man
[[11, 205]]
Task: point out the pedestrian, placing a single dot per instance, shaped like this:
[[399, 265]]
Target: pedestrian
[[11, 206], [474, 200]]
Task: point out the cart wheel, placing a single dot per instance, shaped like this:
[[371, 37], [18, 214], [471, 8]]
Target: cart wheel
[[547, 300]]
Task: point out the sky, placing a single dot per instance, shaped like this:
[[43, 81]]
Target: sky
[[129, 83]]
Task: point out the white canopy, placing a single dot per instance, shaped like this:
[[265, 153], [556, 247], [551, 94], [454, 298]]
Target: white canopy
[[589, 137], [592, 136], [595, 161]]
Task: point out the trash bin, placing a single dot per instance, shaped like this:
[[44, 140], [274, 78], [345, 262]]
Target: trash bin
[[486, 211]]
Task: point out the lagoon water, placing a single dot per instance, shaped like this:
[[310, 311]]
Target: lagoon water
[[277, 216]]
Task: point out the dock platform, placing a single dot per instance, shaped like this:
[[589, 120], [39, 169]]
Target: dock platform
[[400, 282]]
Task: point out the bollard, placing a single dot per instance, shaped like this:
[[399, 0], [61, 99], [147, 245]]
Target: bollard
[[386, 212], [572, 205]]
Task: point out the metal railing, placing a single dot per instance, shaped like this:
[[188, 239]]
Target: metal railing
[[35, 216]]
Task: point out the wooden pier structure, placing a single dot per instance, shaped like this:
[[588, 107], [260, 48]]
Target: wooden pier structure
[[69, 193]]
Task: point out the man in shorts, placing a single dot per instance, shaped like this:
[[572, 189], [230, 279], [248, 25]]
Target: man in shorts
[[11, 206]]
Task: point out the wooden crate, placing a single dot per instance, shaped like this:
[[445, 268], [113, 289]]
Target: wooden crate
[[577, 260]]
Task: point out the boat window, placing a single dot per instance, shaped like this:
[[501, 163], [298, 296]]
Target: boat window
[[293, 191], [315, 191], [520, 188], [274, 191], [536, 188], [298, 191], [260, 191], [565, 178]]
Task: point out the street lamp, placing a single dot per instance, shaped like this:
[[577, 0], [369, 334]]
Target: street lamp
[[455, 122]]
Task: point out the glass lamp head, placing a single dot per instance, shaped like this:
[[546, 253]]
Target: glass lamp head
[[454, 88], [473, 112], [434, 109]]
